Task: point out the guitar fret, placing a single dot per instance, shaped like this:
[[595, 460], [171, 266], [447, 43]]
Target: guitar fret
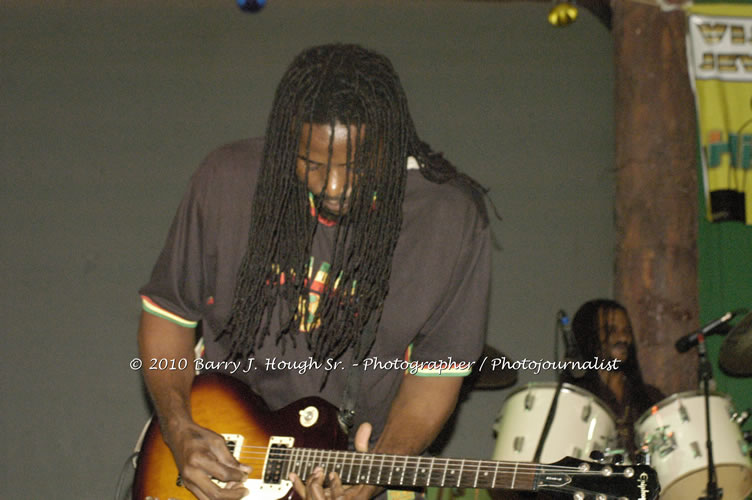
[[486, 478], [302, 473], [402, 475], [360, 458], [459, 476], [311, 462], [477, 471], [324, 462], [336, 466], [430, 471], [514, 474], [287, 468], [496, 473], [381, 467], [443, 477], [310, 459], [314, 460], [352, 463], [417, 468], [391, 469], [370, 469]]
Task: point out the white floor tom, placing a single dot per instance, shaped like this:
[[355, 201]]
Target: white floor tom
[[582, 423], [674, 433]]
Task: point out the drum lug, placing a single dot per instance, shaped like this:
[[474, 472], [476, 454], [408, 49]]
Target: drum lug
[[739, 418], [695, 449], [683, 414], [519, 441], [529, 400], [661, 441], [586, 411], [667, 444], [744, 447]]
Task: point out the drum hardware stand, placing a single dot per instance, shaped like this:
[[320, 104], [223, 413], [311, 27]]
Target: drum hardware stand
[[561, 320], [705, 371], [549, 419]]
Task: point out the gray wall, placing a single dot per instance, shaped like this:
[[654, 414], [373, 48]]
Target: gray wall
[[106, 109]]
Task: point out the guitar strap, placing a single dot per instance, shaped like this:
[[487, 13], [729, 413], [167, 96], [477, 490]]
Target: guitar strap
[[355, 374]]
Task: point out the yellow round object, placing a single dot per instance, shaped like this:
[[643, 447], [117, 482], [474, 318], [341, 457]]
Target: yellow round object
[[562, 14]]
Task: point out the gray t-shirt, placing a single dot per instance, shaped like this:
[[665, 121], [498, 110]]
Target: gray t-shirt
[[438, 291]]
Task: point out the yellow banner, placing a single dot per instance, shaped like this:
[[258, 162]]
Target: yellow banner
[[719, 49]]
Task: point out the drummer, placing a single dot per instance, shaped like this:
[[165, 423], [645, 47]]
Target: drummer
[[602, 328]]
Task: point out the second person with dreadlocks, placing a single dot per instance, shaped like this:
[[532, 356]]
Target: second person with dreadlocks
[[339, 247]]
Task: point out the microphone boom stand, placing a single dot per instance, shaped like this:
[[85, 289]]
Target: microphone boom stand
[[705, 372], [555, 401]]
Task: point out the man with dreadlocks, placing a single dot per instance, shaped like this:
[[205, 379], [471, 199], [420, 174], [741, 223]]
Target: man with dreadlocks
[[340, 243]]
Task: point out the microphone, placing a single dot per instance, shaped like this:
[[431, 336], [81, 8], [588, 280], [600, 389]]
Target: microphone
[[572, 352], [690, 340]]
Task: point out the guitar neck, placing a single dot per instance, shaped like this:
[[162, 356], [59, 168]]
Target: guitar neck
[[407, 471]]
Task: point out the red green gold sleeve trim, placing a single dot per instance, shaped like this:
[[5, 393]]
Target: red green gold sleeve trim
[[438, 368], [149, 306]]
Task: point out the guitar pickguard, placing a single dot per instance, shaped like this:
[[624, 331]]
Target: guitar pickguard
[[273, 486]]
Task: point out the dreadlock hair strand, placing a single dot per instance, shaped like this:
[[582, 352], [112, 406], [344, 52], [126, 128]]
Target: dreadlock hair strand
[[330, 85]]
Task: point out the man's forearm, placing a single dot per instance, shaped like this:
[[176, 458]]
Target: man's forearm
[[169, 388], [418, 413]]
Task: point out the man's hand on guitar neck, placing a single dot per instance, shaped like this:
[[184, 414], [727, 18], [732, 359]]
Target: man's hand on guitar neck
[[315, 489]]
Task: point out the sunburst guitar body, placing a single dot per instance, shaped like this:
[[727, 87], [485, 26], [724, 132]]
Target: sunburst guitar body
[[226, 406]]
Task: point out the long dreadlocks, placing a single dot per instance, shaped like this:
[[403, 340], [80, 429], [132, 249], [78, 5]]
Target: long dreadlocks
[[328, 85]]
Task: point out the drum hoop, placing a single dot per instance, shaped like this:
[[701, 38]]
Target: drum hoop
[[566, 387], [679, 395]]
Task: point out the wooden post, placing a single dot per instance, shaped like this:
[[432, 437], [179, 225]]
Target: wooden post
[[656, 189]]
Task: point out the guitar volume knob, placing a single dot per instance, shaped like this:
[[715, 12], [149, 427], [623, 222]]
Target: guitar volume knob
[[309, 416]]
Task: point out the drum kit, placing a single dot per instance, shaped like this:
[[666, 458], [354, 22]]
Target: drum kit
[[672, 436]]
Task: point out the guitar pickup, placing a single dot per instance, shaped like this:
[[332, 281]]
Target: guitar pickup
[[277, 456]]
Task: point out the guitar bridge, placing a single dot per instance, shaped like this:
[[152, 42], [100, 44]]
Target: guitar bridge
[[234, 443]]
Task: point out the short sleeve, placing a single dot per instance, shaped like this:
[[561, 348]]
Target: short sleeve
[[175, 290], [456, 329]]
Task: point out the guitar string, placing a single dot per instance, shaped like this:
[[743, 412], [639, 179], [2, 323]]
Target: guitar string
[[263, 451], [397, 461], [351, 459]]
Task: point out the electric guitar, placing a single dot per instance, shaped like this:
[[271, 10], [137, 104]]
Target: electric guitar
[[301, 436]]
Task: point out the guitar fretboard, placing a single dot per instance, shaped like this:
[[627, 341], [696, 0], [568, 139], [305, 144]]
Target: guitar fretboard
[[405, 471]]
